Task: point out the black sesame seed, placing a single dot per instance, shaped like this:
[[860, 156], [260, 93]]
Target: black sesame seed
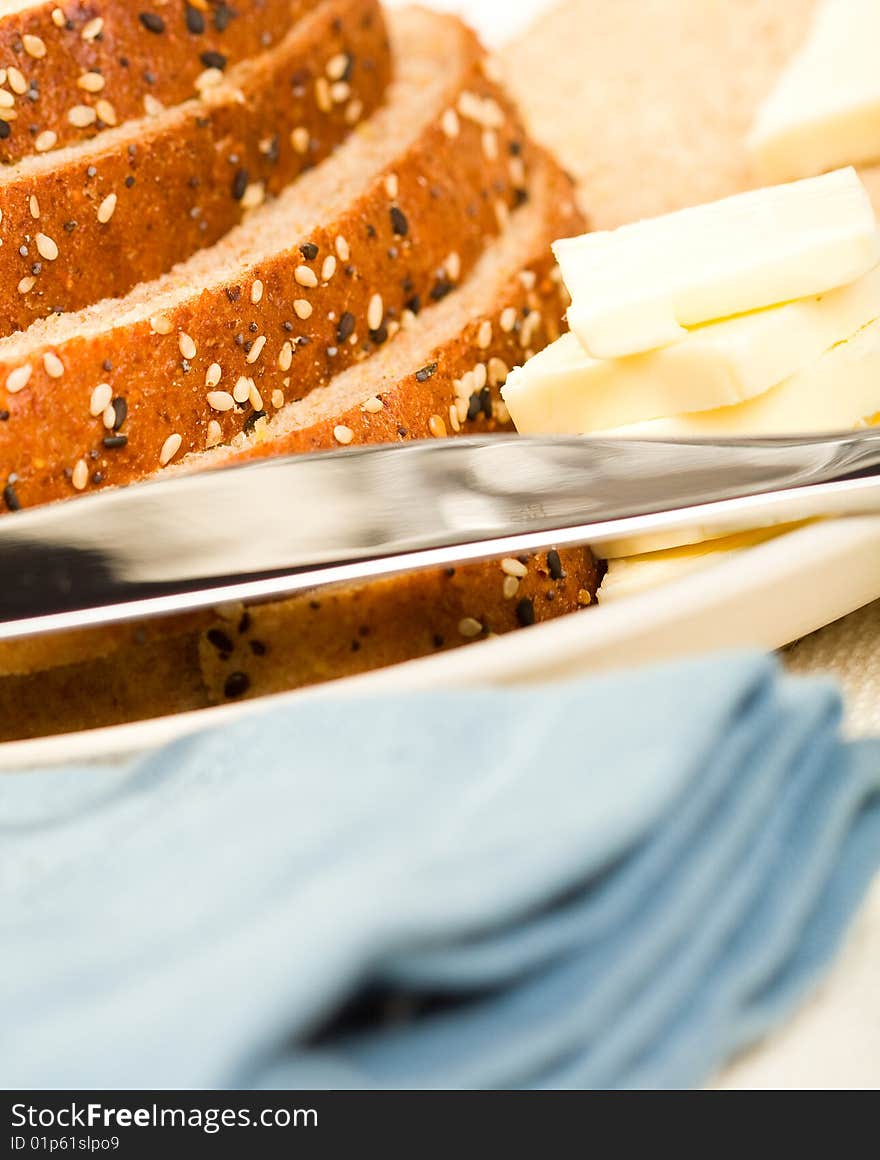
[[474, 406], [441, 288], [121, 408], [219, 639], [114, 442], [251, 420], [554, 564], [371, 231], [245, 622], [380, 335], [4, 416], [413, 304], [5, 130], [309, 251], [258, 648], [438, 640], [129, 181], [486, 402], [195, 20], [239, 184], [223, 17], [345, 329], [237, 684], [10, 498], [214, 60], [426, 373], [152, 22], [355, 646], [233, 293], [525, 612], [399, 224]]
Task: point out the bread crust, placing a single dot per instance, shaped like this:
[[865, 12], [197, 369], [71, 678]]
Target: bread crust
[[309, 639], [155, 49], [453, 192], [179, 181]]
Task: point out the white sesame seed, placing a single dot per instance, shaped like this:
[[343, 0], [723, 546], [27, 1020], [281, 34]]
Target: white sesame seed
[[106, 112], [302, 309], [392, 185], [328, 268], [299, 139], [100, 399], [242, 389], [257, 349], [107, 208], [153, 107], [437, 427], [484, 335], [277, 398], [53, 365], [45, 141], [498, 372], [375, 312], [18, 379], [469, 627], [337, 66], [26, 285], [80, 475], [508, 319], [109, 418], [213, 375], [340, 92], [186, 346], [214, 434], [342, 249], [305, 276], [159, 324], [34, 46], [452, 266], [343, 435], [354, 110], [90, 82], [93, 29], [46, 247], [322, 95], [528, 278], [454, 421], [16, 80], [257, 292], [285, 357], [510, 587], [254, 397], [449, 123], [511, 567], [34, 207], [220, 401], [81, 116], [372, 406], [7, 100], [490, 145], [170, 448], [58, 18], [254, 195]]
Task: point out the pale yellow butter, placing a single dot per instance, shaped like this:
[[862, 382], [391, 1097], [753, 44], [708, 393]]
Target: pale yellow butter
[[562, 390], [825, 109], [636, 288], [839, 391]]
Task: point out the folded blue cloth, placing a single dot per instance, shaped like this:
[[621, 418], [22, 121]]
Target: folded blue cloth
[[614, 883]]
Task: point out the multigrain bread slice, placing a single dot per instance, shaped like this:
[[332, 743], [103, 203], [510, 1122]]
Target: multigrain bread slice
[[308, 285], [73, 67], [511, 302], [442, 373], [91, 221], [286, 645]]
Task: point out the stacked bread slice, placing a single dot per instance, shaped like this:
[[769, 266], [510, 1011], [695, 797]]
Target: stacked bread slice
[[381, 296]]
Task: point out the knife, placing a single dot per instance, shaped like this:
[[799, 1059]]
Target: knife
[[279, 526]]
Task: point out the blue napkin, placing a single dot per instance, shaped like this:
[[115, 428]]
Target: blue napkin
[[614, 883]]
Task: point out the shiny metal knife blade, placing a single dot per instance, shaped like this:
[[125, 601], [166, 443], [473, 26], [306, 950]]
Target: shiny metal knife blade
[[283, 525]]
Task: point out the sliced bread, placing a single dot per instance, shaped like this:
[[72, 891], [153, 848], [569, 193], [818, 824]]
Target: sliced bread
[[308, 285], [91, 221], [74, 67], [306, 640]]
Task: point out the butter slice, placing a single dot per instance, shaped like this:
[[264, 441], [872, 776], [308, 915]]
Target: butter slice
[[825, 109], [635, 288], [840, 391], [562, 390]]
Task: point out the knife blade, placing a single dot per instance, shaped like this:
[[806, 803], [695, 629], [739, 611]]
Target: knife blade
[[280, 526]]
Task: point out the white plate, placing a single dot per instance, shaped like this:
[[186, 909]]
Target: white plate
[[764, 596]]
